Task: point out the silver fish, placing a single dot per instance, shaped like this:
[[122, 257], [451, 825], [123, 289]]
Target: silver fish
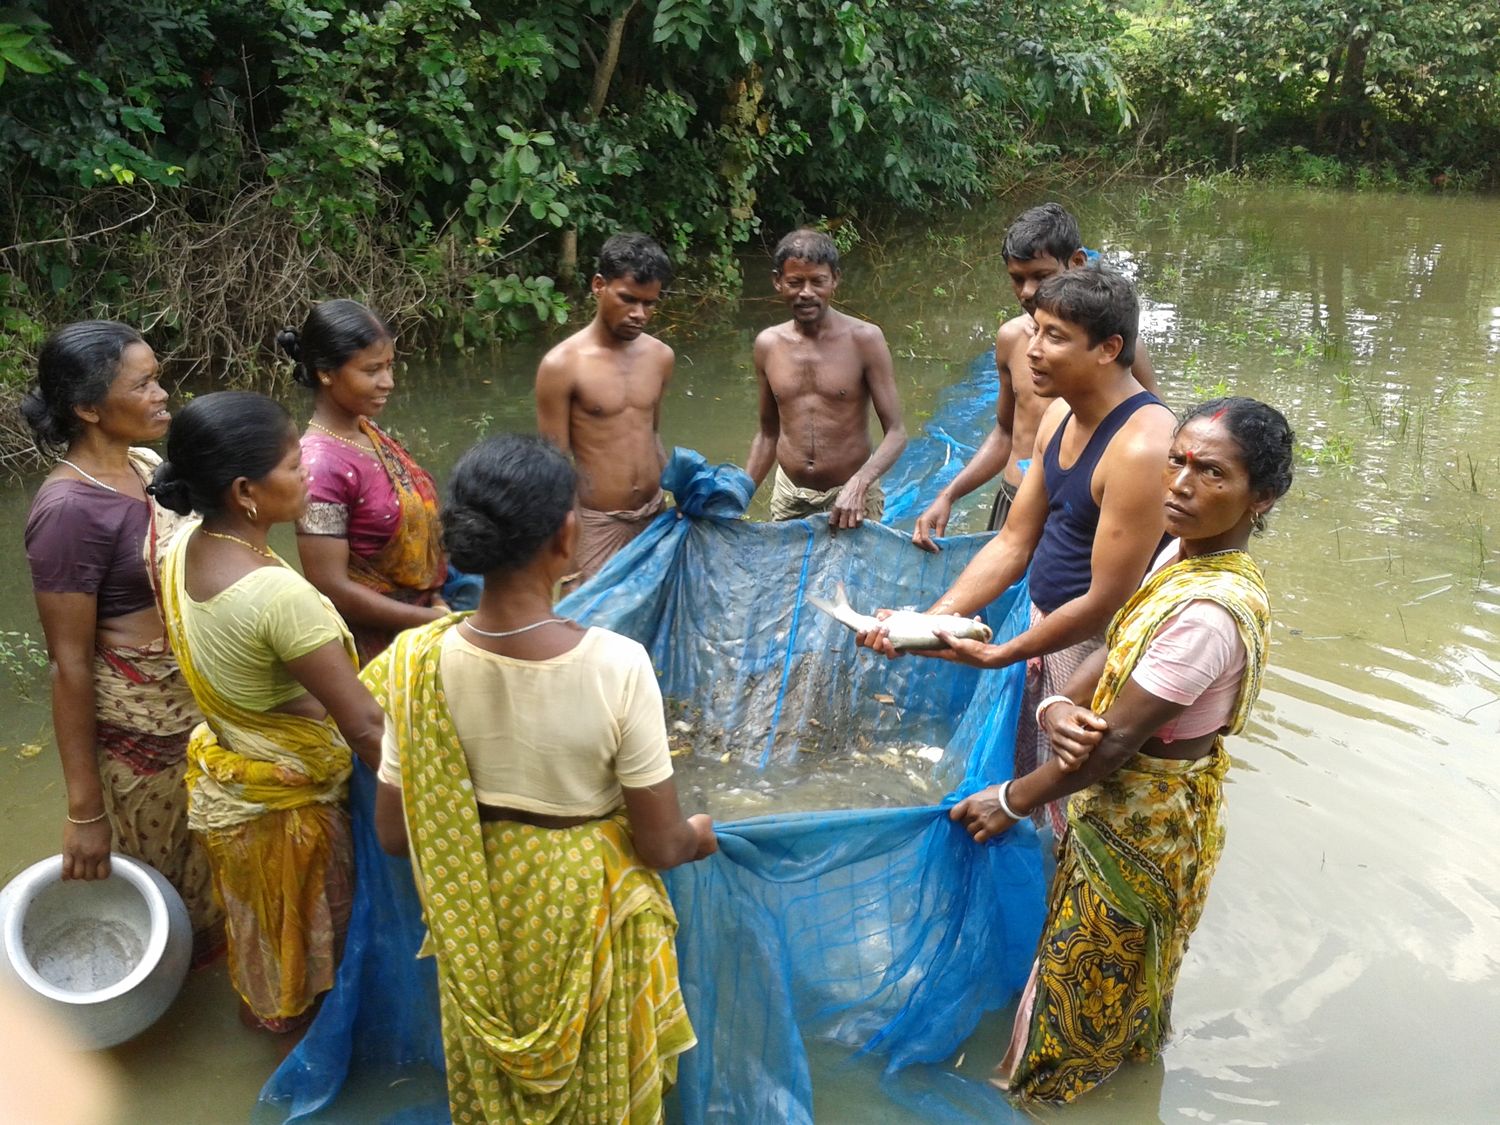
[[908, 629]]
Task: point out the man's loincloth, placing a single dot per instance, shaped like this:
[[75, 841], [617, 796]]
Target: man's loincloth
[[789, 502], [601, 535]]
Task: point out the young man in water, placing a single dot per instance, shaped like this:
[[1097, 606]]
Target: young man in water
[[1088, 516], [819, 373], [1041, 243], [598, 397]]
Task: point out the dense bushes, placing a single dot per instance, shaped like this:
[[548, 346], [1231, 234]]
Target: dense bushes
[[205, 168]]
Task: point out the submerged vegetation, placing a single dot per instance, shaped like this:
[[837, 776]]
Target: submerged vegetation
[[205, 168]]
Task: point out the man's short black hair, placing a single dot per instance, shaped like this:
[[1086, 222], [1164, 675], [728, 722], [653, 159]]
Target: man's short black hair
[[636, 255], [1047, 229], [1099, 300], [807, 245]]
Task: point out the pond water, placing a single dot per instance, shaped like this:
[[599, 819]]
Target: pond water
[[1346, 967]]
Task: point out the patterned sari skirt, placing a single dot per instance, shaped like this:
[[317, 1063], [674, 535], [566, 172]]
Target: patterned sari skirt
[[144, 715], [1140, 851]]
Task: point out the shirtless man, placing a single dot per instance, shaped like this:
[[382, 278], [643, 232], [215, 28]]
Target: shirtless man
[[819, 373], [598, 397], [1041, 243], [1088, 517]]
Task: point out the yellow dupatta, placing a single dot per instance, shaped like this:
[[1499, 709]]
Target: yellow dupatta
[[243, 763], [548, 941], [1231, 580]]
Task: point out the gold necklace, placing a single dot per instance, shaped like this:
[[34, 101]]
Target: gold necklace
[[261, 551], [312, 425]]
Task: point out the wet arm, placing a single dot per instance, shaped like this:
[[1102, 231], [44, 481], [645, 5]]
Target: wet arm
[[390, 819], [763, 448], [880, 377], [329, 677], [554, 400], [69, 622], [1143, 369], [663, 836], [325, 563]]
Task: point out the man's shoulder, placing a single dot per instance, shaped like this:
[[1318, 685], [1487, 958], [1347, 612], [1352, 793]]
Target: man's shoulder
[[1145, 437], [561, 356], [1017, 328]]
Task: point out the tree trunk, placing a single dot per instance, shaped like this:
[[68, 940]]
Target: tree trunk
[[1352, 101], [1325, 99], [567, 266]]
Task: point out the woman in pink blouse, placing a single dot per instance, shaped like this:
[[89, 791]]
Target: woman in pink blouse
[[370, 538]]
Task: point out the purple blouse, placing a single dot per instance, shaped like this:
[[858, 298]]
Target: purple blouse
[[349, 495], [83, 539]]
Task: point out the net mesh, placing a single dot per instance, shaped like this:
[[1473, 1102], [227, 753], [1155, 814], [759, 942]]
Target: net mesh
[[857, 912]]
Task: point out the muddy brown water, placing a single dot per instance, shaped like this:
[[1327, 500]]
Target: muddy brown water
[[1346, 967]]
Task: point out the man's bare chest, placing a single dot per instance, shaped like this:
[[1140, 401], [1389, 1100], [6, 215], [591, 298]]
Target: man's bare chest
[[827, 372], [617, 393]]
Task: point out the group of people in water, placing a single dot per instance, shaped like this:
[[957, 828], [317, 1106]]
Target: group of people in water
[[209, 701]]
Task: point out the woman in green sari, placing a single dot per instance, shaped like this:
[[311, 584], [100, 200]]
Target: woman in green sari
[[526, 769], [1139, 736]]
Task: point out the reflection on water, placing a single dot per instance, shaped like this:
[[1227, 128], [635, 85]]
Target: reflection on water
[[1346, 967]]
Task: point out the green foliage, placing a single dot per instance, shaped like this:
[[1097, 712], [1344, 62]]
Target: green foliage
[[1318, 85]]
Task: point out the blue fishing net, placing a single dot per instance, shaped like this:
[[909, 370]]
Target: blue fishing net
[[965, 414], [866, 918]]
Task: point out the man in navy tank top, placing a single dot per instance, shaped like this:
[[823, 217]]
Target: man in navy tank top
[[1087, 518], [1041, 243]]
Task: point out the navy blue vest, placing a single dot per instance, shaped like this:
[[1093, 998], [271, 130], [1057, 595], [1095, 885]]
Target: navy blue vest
[[1060, 566]]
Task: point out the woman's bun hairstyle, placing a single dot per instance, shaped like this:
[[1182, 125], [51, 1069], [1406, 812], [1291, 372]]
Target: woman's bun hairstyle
[[290, 342], [507, 497], [76, 366], [170, 490], [332, 332], [214, 440]]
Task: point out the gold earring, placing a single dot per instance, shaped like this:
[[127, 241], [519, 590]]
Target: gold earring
[[326, 382], [253, 513]]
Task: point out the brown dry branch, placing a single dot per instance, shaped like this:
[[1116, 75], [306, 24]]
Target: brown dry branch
[[211, 278]]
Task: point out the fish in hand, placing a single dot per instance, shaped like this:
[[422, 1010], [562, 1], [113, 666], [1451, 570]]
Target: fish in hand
[[909, 630]]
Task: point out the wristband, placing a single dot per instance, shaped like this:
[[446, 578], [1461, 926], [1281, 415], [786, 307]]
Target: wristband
[[1048, 702], [1000, 791]]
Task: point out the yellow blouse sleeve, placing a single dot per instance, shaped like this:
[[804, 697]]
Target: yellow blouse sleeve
[[298, 619], [644, 759]]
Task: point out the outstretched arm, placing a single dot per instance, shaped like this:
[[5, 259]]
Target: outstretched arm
[[763, 448], [1135, 715], [1131, 524], [880, 376]]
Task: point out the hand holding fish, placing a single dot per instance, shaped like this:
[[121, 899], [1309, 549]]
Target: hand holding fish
[[891, 632]]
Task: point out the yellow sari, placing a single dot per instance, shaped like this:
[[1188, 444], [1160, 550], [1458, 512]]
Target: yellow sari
[[1140, 851], [557, 968], [266, 792]]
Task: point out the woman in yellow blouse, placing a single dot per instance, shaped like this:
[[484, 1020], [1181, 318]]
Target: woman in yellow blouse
[[271, 665]]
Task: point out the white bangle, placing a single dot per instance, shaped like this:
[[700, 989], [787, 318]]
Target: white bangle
[[1048, 702], [1004, 804]]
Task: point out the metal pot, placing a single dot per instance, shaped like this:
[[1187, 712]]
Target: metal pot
[[106, 956]]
